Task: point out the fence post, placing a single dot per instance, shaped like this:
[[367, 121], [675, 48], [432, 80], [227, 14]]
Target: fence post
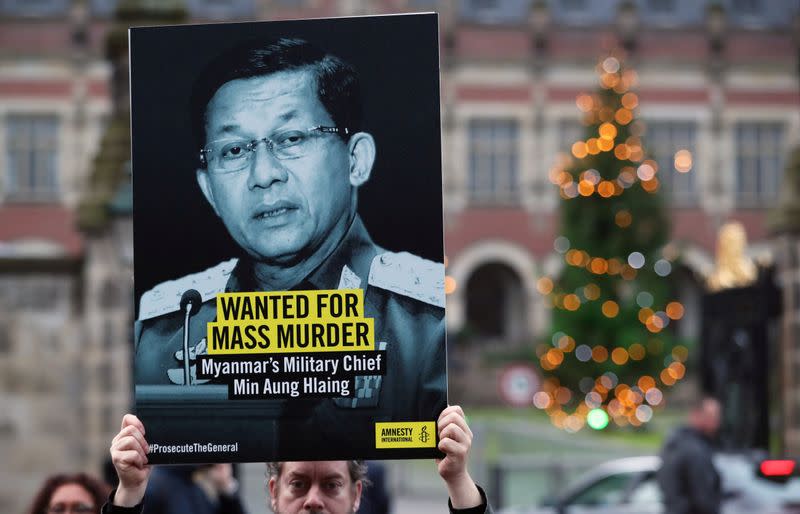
[[495, 494]]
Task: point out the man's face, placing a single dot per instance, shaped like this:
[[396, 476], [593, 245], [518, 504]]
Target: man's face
[[707, 416], [279, 211], [321, 487], [712, 416]]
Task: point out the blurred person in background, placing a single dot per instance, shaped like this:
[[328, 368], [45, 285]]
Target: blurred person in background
[[70, 493], [196, 489], [688, 478], [375, 499]]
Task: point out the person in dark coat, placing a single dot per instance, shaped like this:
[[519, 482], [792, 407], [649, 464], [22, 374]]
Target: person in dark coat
[[375, 498], [203, 489], [688, 479]]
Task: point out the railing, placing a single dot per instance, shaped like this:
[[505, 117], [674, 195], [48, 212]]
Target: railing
[[527, 480]]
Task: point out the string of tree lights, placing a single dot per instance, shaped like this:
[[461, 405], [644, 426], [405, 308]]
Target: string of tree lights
[[611, 355]]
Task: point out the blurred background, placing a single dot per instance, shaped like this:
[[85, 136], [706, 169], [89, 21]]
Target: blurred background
[[706, 121]]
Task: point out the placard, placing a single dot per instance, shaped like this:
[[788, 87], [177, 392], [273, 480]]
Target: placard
[[288, 239]]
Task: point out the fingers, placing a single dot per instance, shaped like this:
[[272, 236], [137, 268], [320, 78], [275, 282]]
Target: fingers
[[455, 462], [452, 418], [126, 459], [129, 455], [122, 448], [131, 420], [456, 433], [129, 447], [133, 427], [452, 448], [455, 441], [452, 409], [132, 432]]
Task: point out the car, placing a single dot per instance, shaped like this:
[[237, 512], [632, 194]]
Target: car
[[628, 486]]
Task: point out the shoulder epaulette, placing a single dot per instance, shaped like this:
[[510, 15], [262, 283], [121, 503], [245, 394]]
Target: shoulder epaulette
[[409, 275], [166, 296]]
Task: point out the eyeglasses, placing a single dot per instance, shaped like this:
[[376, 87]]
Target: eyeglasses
[[63, 508], [230, 155]]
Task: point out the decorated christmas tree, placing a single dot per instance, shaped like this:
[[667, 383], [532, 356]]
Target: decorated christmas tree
[[611, 354]]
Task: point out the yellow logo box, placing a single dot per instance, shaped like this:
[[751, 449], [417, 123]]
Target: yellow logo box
[[405, 434]]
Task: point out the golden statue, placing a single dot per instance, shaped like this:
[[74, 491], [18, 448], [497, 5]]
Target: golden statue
[[734, 268]]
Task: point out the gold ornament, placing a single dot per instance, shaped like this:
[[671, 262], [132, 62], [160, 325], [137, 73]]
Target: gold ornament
[[734, 268]]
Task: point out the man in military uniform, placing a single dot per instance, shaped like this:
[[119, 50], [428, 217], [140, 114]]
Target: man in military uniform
[[282, 156]]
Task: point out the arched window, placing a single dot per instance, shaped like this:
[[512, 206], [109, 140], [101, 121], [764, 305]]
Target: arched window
[[496, 303]]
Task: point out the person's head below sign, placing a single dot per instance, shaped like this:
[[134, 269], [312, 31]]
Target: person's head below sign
[[329, 486], [281, 152]]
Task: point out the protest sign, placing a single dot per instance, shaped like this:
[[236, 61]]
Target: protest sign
[[288, 239]]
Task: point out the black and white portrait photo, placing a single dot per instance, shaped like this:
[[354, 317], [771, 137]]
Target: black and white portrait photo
[[283, 159]]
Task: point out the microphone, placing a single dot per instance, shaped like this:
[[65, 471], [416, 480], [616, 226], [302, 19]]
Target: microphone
[[193, 298], [190, 305]]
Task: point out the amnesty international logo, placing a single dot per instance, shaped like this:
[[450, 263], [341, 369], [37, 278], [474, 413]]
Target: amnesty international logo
[[405, 434], [423, 435]]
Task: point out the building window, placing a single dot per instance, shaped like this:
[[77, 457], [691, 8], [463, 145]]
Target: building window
[[34, 8], [105, 377], [110, 295], [569, 131], [494, 11], [493, 161], [748, 7], [661, 6], [103, 8], [26, 293], [221, 9], [110, 418], [108, 335], [496, 304], [759, 163], [672, 145], [583, 12], [573, 5], [32, 158], [8, 429], [6, 344]]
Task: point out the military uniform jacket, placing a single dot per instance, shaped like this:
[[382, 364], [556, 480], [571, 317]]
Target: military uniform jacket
[[403, 293]]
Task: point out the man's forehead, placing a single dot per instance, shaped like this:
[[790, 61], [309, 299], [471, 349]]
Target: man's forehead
[[266, 88], [316, 468]]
